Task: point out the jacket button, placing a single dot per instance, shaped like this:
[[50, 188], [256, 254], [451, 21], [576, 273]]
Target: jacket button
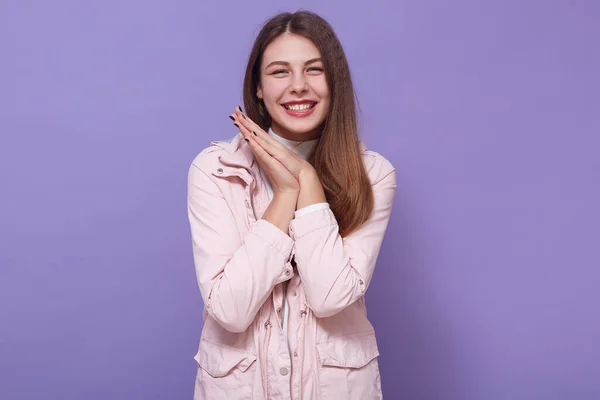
[[247, 203], [220, 170], [361, 282], [283, 371], [295, 354], [294, 293], [278, 310], [287, 272]]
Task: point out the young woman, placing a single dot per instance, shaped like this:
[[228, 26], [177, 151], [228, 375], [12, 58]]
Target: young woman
[[287, 220]]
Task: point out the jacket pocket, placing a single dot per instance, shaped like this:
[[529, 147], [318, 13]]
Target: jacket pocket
[[348, 368], [224, 372]]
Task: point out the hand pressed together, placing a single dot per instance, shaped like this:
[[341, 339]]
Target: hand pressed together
[[282, 167]]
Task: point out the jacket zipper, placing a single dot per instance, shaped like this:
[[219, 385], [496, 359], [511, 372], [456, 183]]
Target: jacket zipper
[[300, 362], [266, 357]]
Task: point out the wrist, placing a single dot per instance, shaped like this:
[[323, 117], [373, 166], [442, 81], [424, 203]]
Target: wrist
[[286, 195], [311, 190], [308, 175], [281, 209]]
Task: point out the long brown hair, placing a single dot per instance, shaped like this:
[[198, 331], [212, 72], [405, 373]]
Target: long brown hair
[[337, 157]]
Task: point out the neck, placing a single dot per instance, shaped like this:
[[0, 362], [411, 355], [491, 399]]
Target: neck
[[294, 136], [301, 147]]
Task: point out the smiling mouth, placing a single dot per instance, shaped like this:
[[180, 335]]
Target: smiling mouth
[[299, 108]]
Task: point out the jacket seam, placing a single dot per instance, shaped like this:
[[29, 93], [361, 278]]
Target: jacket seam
[[315, 229], [370, 332], [208, 176], [270, 244], [224, 346], [385, 176], [221, 196]]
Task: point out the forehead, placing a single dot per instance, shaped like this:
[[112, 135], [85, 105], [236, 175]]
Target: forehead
[[290, 48]]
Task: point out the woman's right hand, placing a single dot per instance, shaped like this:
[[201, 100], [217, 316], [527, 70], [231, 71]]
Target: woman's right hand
[[286, 187], [281, 179]]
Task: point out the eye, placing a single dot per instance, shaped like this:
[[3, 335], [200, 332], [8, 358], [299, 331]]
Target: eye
[[278, 71], [315, 69]]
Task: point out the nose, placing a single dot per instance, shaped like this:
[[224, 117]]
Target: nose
[[298, 84]]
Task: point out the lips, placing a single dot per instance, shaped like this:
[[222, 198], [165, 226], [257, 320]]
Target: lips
[[299, 106], [300, 109]]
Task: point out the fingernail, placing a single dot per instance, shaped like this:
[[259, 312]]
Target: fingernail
[[233, 119], [246, 140], [254, 133], [236, 125], [240, 108], [243, 116]]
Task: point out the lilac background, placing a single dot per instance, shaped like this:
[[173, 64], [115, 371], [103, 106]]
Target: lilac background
[[488, 282]]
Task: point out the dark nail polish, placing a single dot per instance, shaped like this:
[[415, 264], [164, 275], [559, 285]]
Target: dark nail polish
[[233, 119], [240, 109], [246, 140], [254, 133], [243, 116], [237, 125]]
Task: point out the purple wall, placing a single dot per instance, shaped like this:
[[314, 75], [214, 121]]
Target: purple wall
[[488, 283]]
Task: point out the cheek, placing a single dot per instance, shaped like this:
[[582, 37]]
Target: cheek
[[321, 89], [273, 90]]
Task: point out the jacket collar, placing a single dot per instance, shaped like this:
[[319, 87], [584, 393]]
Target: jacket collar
[[238, 160], [238, 155]]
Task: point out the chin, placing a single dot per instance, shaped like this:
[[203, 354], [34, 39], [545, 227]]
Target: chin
[[299, 126], [300, 129]]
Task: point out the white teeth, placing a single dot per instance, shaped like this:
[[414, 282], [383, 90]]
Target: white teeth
[[299, 107]]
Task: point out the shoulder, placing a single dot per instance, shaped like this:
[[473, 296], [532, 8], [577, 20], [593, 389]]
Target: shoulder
[[377, 166], [208, 157]]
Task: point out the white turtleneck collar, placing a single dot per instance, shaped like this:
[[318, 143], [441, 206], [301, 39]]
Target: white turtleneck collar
[[302, 148]]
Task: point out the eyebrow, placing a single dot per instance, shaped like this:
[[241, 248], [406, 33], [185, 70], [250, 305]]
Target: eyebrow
[[311, 61]]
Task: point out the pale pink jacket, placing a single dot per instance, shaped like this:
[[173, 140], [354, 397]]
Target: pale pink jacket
[[241, 263]]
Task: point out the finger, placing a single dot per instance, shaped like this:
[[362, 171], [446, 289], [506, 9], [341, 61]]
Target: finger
[[262, 137], [275, 149], [237, 122], [265, 154], [245, 127], [247, 123], [272, 167], [263, 157]]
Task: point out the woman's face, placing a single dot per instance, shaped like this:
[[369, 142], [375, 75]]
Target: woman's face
[[293, 87]]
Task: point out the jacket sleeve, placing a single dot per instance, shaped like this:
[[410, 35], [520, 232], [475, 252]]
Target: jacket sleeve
[[235, 274], [336, 272]]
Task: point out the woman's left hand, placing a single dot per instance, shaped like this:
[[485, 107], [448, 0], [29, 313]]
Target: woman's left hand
[[290, 160]]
